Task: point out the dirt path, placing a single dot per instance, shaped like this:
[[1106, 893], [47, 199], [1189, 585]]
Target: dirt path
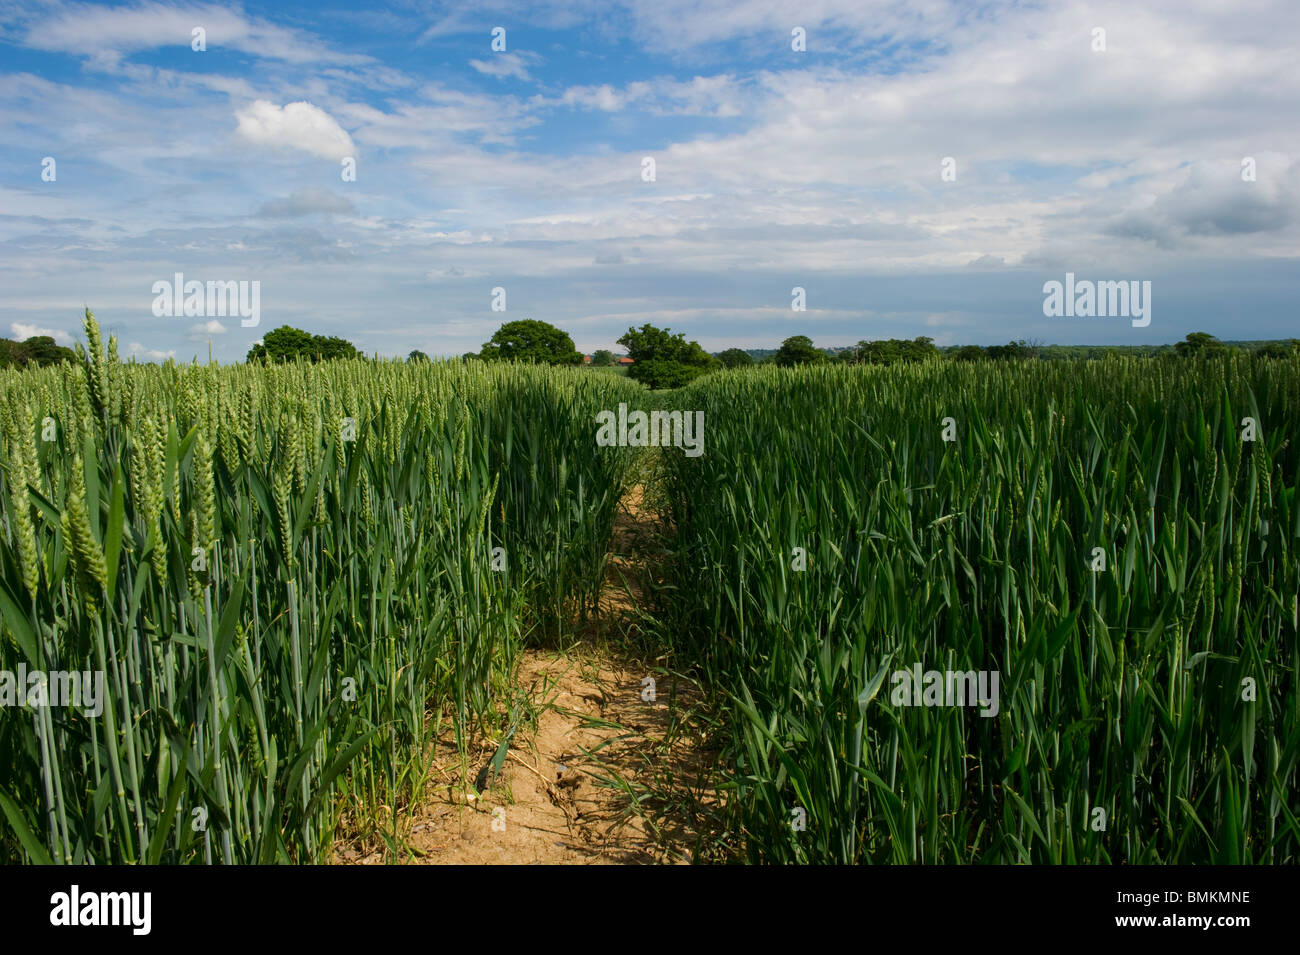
[[604, 772], [558, 798]]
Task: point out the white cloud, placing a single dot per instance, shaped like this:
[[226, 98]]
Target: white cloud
[[298, 125], [105, 34], [683, 27], [455, 272], [601, 97], [307, 202], [434, 125], [718, 96], [22, 331], [503, 65], [1211, 201], [153, 354], [204, 329]]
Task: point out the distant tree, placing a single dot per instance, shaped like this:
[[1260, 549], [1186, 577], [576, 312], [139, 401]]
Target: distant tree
[[602, 358], [1199, 345], [661, 359], [43, 350], [290, 344], [886, 351], [1280, 349], [1011, 351], [969, 353], [470, 356], [532, 342], [663, 374], [735, 358], [883, 352], [918, 349], [649, 343], [283, 344], [327, 349], [417, 355], [11, 353], [798, 350], [697, 357], [39, 350]]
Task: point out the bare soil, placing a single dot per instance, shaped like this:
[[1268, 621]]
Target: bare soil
[[607, 772]]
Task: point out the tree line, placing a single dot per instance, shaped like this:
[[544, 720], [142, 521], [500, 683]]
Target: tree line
[[662, 359]]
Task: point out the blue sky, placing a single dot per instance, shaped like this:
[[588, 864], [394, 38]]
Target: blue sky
[[774, 168]]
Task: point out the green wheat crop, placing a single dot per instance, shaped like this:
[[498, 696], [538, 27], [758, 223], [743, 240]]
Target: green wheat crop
[[287, 576], [1161, 691]]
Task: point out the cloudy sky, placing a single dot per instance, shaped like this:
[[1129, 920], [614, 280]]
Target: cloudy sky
[[525, 168]]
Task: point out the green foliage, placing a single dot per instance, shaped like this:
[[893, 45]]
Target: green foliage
[[1011, 351], [663, 374], [288, 344], [1199, 345], [1280, 349], [331, 348], [664, 360], [531, 342], [890, 350], [37, 351], [735, 358], [601, 358], [798, 350], [1123, 689], [345, 615], [417, 355], [347, 611]]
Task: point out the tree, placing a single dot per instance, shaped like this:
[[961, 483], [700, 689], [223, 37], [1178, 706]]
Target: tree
[[884, 352], [798, 350], [735, 358], [290, 344], [661, 359], [969, 353], [327, 349], [602, 358], [39, 350], [1280, 349], [1199, 345], [417, 355], [283, 344], [12, 353], [532, 342], [918, 349], [1011, 351]]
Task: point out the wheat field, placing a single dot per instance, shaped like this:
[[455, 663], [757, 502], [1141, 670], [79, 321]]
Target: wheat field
[[296, 578]]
